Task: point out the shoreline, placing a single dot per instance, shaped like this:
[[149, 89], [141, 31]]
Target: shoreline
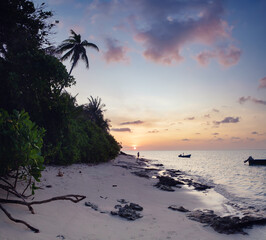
[[104, 184]]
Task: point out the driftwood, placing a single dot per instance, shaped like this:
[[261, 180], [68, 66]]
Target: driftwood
[[71, 197]]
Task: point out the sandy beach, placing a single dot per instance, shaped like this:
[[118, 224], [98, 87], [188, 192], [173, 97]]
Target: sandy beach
[[104, 186]]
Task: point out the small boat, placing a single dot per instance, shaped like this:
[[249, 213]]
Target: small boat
[[252, 161], [184, 156]]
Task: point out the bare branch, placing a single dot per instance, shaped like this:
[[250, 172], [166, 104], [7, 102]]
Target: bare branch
[[18, 220]]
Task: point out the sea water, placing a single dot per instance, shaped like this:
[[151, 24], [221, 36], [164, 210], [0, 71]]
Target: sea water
[[226, 171]]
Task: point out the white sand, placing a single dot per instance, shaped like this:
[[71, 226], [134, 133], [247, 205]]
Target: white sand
[[75, 221]]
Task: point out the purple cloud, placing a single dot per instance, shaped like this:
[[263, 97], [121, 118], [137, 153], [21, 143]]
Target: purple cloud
[[115, 52], [190, 118], [154, 131], [185, 139], [254, 133], [235, 138], [226, 56], [121, 129], [227, 120], [132, 123], [215, 110], [215, 134], [262, 83], [242, 100], [164, 28]]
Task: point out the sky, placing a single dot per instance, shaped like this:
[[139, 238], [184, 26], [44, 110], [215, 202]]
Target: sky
[[173, 74]]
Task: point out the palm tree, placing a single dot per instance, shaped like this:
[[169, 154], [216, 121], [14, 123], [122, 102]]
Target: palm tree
[[76, 49], [94, 112]]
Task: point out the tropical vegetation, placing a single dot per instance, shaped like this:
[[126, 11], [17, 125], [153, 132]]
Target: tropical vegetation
[[40, 123]]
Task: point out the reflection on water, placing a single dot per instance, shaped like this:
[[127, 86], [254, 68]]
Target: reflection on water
[[226, 170]]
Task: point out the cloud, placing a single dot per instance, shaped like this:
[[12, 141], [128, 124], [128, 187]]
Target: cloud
[[190, 118], [207, 115], [226, 56], [215, 134], [219, 139], [215, 110], [185, 140], [242, 100], [254, 133], [121, 129], [115, 52], [165, 28], [132, 123], [262, 83], [251, 139], [235, 138], [227, 120], [154, 131], [173, 24]]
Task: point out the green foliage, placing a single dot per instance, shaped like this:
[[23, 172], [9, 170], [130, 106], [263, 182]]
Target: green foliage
[[32, 79], [20, 148], [85, 142]]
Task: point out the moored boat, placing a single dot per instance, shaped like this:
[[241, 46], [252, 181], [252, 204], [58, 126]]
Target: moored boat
[[184, 156], [251, 161]]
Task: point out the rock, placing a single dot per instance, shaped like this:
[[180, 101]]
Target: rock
[[93, 206], [199, 186], [141, 174], [118, 206], [114, 185], [122, 201], [61, 237], [103, 197], [135, 207], [176, 208], [165, 188], [48, 186], [129, 211], [114, 213], [158, 165], [228, 224], [167, 181]]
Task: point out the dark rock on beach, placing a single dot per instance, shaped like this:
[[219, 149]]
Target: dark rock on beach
[[93, 206], [199, 186], [141, 174], [180, 209], [129, 212], [228, 224], [164, 188], [168, 181], [135, 207], [122, 201]]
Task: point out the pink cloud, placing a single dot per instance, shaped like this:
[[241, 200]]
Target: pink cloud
[[164, 28], [242, 100], [226, 56], [168, 32], [262, 83], [115, 52]]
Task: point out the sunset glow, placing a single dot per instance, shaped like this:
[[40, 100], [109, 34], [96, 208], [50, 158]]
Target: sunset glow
[[200, 85]]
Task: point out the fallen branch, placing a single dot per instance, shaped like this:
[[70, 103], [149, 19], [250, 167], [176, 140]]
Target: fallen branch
[[71, 197], [18, 220]]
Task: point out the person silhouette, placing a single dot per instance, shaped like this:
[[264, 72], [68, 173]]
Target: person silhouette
[[138, 154]]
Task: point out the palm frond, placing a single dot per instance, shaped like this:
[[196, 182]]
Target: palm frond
[[85, 43], [84, 57], [64, 47], [67, 55]]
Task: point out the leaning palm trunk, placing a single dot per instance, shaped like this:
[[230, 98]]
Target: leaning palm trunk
[[75, 48]]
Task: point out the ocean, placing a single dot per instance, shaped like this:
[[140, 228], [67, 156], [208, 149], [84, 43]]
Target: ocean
[[226, 171]]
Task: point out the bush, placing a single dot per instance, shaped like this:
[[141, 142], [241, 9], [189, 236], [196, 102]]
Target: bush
[[85, 142], [20, 146]]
